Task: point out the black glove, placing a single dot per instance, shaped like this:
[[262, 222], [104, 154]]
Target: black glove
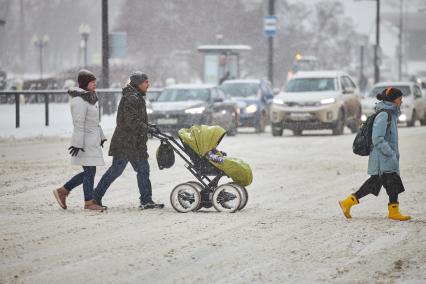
[[102, 142], [74, 150]]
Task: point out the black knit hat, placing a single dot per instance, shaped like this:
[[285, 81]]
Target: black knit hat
[[84, 78], [389, 94], [137, 78]]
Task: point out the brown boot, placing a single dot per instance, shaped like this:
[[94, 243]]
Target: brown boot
[[61, 196], [91, 205]]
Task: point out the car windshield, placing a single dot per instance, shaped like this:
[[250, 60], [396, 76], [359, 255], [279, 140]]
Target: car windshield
[[181, 95], [310, 85], [377, 90], [240, 89]]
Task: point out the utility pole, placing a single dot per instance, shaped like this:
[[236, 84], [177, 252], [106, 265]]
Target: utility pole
[[105, 45], [377, 46], [22, 36], [400, 41], [271, 12]]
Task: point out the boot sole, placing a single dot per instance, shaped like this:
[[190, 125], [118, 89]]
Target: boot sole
[[399, 219], [63, 206], [94, 210], [348, 216]]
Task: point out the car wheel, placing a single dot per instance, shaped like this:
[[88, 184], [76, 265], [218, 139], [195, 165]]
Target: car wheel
[[340, 124], [277, 130], [297, 132], [356, 123], [261, 124], [412, 122], [423, 121], [233, 130]]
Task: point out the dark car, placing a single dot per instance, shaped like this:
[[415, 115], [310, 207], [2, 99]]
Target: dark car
[[254, 99], [181, 106]]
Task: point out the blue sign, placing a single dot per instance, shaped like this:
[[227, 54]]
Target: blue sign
[[270, 26]]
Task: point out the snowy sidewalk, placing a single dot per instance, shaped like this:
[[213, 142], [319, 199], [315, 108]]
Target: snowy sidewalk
[[32, 121]]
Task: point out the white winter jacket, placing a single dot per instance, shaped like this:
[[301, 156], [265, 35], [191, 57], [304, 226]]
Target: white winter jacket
[[87, 132]]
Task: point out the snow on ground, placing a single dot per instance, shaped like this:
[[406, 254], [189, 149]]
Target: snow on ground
[[32, 121], [291, 231]]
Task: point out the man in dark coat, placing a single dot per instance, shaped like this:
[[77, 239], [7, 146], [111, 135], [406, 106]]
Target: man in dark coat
[[128, 143]]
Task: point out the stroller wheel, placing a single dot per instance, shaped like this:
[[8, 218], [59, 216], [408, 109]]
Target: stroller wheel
[[185, 198], [244, 194], [226, 198], [200, 188]]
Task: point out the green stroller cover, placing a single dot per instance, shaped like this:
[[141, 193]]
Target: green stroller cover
[[202, 139]]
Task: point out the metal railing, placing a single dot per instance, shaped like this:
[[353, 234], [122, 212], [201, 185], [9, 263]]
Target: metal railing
[[46, 93]]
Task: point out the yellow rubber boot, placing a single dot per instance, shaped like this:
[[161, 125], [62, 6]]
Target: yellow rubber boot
[[394, 213], [346, 205]]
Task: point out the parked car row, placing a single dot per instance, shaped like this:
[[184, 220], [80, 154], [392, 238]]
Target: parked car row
[[308, 101]]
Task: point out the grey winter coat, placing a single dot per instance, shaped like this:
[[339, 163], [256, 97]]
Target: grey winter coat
[[87, 133], [384, 156]]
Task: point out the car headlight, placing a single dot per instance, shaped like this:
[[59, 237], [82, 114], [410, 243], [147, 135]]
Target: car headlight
[[402, 117], [149, 110], [278, 101], [196, 110], [251, 109], [328, 101], [363, 118]]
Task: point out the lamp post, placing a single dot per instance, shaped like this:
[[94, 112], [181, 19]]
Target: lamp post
[[40, 43], [377, 52], [84, 31]]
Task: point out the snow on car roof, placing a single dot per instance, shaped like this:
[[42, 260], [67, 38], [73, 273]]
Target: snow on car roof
[[191, 86], [212, 47], [255, 81], [319, 74], [390, 83]]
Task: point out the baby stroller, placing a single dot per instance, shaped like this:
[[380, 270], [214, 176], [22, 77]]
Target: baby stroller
[[205, 191]]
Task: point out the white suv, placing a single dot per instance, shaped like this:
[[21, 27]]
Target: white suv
[[413, 106], [317, 100]]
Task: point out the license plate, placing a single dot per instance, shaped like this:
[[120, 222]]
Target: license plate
[[167, 121], [300, 116]]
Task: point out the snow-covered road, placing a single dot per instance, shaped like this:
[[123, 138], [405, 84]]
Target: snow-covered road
[[291, 231]]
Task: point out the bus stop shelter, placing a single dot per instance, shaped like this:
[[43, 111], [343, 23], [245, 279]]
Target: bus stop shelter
[[221, 62]]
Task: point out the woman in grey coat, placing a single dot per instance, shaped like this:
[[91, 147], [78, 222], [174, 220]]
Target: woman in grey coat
[[86, 142], [383, 162]]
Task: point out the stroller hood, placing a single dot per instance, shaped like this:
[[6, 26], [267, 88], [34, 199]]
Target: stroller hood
[[202, 138]]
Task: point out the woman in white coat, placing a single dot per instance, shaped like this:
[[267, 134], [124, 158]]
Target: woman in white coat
[[87, 140]]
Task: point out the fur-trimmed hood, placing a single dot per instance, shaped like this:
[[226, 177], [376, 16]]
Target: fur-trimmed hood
[[89, 97]]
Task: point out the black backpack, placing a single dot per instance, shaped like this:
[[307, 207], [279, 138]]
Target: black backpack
[[165, 155], [363, 141]]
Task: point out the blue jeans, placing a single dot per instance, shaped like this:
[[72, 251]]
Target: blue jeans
[[118, 165], [87, 178]]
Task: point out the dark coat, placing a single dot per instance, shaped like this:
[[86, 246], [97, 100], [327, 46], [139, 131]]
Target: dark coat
[[131, 134]]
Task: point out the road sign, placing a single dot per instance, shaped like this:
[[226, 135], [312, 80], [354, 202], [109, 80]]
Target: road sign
[[270, 26]]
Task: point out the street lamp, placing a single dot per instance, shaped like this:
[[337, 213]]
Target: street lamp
[[40, 43], [84, 31]]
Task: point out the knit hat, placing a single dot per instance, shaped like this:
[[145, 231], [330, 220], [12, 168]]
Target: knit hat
[[389, 94], [84, 78], [137, 78]]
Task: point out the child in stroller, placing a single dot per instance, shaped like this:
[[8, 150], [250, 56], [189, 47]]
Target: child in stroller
[[198, 148]]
